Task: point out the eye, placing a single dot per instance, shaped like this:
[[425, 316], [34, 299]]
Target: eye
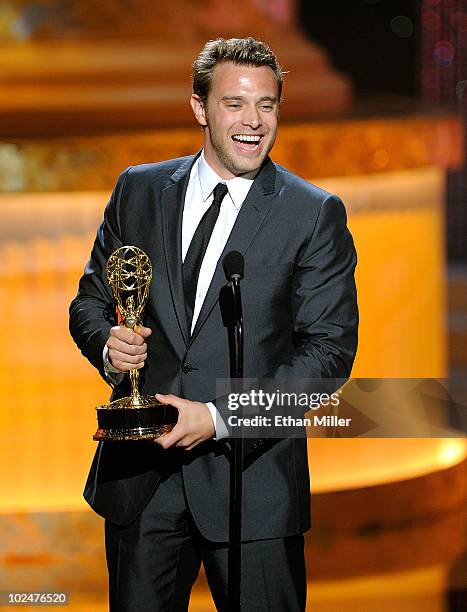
[[266, 107], [233, 105]]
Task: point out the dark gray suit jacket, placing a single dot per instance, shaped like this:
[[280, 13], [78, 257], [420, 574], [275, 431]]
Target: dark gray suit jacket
[[300, 320]]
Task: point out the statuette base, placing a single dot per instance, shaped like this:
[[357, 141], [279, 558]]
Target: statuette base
[[129, 418]]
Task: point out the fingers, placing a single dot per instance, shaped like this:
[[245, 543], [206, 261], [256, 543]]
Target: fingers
[[173, 400], [171, 438], [194, 423], [123, 362], [180, 436], [129, 336], [179, 432], [127, 348]]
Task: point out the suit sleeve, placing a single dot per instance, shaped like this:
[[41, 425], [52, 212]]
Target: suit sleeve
[[324, 300], [92, 313], [324, 310]]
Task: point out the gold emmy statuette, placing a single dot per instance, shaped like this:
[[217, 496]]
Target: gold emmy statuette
[[138, 417]]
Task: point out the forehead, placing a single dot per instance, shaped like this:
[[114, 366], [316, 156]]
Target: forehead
[[237, 79]]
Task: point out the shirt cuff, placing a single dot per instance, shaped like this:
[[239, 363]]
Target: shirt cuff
[[221, 430], [113, 375]]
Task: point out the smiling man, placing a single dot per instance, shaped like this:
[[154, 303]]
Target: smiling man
[[166, 503]]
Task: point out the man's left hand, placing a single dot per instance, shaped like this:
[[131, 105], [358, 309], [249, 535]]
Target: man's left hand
[[194, 423]]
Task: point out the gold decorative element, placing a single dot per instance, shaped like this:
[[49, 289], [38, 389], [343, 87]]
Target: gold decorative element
[[131, 434]]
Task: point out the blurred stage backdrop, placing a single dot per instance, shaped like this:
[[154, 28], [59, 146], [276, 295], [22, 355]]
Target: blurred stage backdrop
[[374, 110]]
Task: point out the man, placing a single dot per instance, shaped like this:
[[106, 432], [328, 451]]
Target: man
[[166, 503]]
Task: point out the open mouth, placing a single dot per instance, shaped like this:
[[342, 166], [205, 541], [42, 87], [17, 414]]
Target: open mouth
[[247, 142]]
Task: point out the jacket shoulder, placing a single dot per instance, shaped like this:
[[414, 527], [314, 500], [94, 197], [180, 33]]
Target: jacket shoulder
[[158, 171], [292, 183]]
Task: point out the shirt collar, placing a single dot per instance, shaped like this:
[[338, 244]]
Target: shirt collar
[[238, 186]]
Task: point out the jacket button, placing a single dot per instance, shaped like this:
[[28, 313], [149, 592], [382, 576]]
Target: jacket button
[[187, 368]]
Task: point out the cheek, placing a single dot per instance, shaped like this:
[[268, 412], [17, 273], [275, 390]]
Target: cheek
[[221, 127], [272, 124]]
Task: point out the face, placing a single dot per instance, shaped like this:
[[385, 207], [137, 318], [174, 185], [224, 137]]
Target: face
[[239, 117]]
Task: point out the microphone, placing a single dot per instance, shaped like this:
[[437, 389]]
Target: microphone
[[234, 266], [230, 296]]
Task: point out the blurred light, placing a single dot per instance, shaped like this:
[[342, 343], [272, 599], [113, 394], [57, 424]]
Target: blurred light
[[453, 451], [8, 18], [19, 31], [402, 26], [381, 158], [431, 21], [443, 53]]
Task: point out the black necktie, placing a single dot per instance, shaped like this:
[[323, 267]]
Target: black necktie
[[197, 249]]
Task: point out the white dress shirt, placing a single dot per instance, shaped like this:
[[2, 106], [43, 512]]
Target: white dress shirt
[[198, 199]]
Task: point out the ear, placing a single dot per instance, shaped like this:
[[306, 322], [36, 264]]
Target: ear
[[198, 110]]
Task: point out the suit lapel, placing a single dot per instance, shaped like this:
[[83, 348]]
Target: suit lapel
[[172, 203], [250, 218]]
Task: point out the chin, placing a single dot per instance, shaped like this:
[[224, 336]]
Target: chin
[[242, 166], [238, 171]]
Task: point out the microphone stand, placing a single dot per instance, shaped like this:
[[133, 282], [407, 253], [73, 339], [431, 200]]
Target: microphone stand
[[231, 307]]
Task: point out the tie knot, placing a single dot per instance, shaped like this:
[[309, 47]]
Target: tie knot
[[219, 193]]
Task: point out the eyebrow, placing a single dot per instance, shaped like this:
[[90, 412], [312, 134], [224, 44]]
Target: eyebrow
[[262, 99]]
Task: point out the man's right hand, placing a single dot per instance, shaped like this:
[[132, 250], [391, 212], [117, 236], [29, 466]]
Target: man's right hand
[[127, 348]]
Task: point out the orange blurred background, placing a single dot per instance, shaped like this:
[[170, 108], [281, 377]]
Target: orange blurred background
[[80, 102]]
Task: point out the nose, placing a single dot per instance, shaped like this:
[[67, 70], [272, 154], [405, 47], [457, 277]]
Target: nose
[[252, 118]]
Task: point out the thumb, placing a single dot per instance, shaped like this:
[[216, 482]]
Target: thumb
[[143, 331]]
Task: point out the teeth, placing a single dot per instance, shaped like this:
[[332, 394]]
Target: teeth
[[246, 138]]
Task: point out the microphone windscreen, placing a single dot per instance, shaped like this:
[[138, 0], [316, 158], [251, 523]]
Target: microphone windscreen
[[234, 265]]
